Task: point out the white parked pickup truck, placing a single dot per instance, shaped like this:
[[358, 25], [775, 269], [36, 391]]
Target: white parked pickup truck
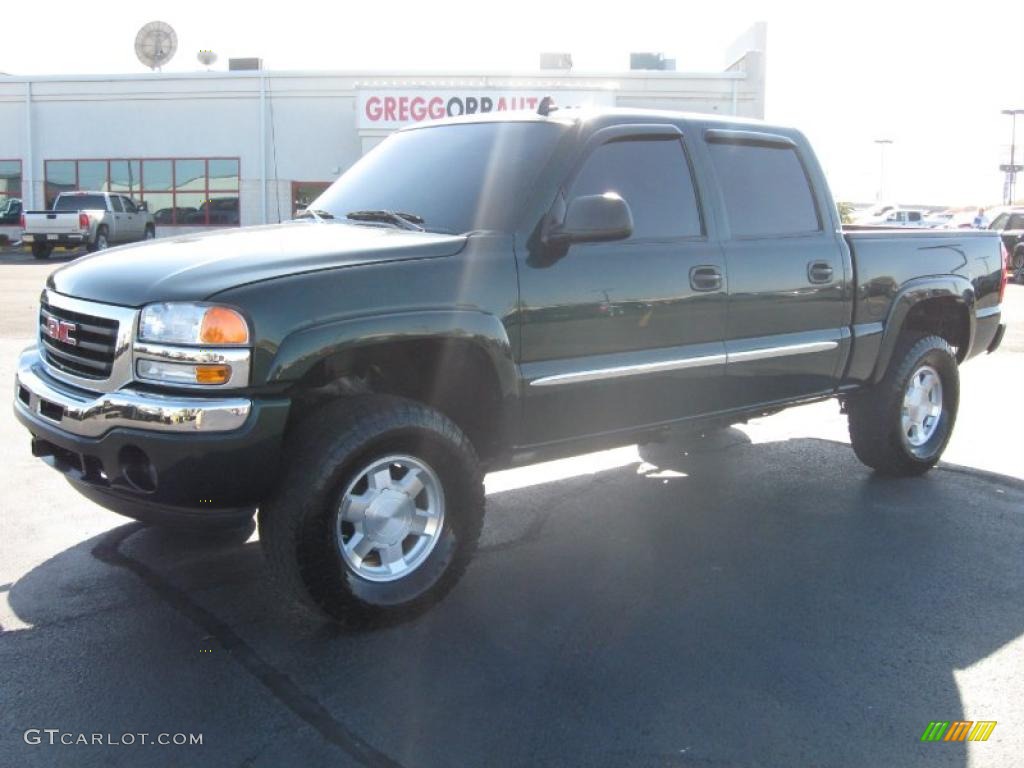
[[93, 219]]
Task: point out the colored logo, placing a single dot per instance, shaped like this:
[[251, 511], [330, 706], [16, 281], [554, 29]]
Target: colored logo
[[958, 730], [61, 330]]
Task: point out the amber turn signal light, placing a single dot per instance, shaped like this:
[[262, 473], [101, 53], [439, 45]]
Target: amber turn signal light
[[212, 374], [223, 326]]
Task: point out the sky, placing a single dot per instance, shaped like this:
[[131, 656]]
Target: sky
[[932, 77]]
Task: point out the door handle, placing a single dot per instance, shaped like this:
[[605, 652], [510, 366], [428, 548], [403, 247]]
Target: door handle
[[706, 279], [820, 272]]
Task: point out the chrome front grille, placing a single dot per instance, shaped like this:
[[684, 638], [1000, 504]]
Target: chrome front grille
[[86, 343], [88, 349]]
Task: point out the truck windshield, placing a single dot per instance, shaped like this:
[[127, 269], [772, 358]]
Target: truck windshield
[[80, 203], [456, 178]]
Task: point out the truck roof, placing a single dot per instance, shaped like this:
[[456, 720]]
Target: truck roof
[[607, 115]]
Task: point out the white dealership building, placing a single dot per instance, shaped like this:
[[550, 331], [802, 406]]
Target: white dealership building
[[217, 148]]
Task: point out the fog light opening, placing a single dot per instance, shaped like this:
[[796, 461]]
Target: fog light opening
[[136, 469]]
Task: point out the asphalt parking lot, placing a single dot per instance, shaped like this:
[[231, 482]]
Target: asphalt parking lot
[[769, 604]]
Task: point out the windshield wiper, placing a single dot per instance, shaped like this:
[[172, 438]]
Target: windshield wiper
[[313, 213], [398, 218]]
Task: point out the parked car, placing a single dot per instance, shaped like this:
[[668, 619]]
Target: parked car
[[167, 216], [219, 212], [1010, 225], [874, 214], [10, 211], [938, 219], [93, 219], [901, 217], [484, 292]]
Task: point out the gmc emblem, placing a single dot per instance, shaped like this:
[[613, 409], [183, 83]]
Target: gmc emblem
[[61, 330]]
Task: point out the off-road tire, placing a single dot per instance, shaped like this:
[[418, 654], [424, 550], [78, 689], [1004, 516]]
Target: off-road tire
[[875, 416], [326, 452]]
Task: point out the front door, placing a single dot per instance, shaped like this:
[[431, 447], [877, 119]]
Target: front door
[[626, 333]]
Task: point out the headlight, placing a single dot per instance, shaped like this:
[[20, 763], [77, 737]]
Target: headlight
[[186, 323]]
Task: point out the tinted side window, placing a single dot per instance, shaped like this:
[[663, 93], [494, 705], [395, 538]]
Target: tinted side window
[[1016, 221], [129, 206], [1000, 222], [765, 189], [115, 203], [653, 177]]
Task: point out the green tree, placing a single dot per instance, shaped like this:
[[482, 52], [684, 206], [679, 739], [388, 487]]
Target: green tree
[[845, 213]]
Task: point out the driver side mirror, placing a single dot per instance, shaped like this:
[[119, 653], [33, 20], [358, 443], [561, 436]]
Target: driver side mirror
[[594, 219]]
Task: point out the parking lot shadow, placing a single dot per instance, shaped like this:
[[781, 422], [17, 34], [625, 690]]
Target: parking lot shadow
[[760, 605]]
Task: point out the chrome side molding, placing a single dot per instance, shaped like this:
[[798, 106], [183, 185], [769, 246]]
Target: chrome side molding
[[601, 374]]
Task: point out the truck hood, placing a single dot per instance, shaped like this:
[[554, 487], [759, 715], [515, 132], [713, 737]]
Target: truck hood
[[196, 266]]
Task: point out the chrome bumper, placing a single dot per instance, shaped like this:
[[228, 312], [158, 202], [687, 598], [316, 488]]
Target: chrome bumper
[[40, 398]]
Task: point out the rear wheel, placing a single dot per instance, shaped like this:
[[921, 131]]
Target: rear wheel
[[100, 242], [901, 425], [41, 250], [378, 512]]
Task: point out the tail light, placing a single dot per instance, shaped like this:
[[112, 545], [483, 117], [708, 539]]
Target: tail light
[[21, 221], [1005, 270], [83, 221]]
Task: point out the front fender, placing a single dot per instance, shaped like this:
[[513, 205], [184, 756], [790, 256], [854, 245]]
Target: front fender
[[302, 350], [912, 293]]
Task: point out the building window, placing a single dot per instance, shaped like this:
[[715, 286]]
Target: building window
[[10, 192], [304, 193], [189, 192]]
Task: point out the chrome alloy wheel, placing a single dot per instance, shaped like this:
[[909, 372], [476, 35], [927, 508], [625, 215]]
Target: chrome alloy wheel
[[922, 406], [390, 517]]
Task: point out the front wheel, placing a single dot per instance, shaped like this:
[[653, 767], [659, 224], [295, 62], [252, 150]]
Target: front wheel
[[150, 232], [378, 512], [902, 424]]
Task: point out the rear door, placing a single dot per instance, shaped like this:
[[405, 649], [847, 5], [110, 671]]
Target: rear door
[[134, 220], [119, 223], [626, 333], [788, 306]]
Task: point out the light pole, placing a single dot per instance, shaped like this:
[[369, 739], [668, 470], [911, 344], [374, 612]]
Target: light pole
[[1011, 169], [881, 167]]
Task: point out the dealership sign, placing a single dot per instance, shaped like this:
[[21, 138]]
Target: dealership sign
[[389, 109]]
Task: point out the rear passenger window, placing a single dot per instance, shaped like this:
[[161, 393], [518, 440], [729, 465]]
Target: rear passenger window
[[653, 177], [115, 203], [765, 188]]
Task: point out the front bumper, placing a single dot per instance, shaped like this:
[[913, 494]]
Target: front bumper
[[197, 455]]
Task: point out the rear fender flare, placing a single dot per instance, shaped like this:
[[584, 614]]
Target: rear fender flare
[[912, 293]]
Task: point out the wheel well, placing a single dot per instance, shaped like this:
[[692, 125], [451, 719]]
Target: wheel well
[[945, 317], [454, 376]]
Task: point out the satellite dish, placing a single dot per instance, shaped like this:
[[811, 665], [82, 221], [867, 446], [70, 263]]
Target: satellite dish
[[156, 44], [206, 58]]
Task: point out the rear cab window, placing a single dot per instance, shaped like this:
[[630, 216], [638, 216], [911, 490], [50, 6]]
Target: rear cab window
[[80, 203], [765, 188]]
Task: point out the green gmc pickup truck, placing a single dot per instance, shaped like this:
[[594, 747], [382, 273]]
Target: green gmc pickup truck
[[484, 292]]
